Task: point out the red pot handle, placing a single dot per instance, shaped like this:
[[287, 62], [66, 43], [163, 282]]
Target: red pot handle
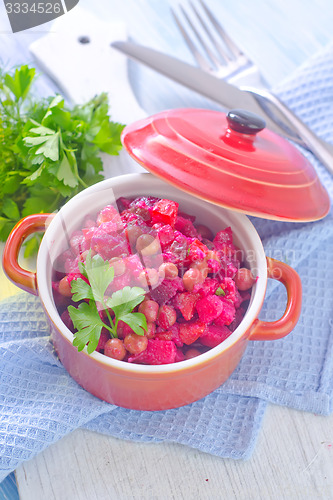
[[271, 330], [21, 277]]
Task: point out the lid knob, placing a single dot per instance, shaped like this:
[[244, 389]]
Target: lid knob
[[245, 122]]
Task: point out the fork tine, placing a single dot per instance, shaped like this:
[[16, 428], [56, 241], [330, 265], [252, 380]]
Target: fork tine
[[220, 49], [224, 35], [204, 45], [229, 61], [202, 62]]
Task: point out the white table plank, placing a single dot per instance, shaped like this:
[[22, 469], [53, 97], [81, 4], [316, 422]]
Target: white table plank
[[293, 460]]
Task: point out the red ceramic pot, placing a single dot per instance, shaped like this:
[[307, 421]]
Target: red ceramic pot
[[136, 386]]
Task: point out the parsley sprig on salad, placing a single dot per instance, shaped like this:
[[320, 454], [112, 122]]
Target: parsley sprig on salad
[[48, 151], [86, 317]]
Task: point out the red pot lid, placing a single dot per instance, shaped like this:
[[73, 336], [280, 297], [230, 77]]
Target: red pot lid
[[231, 161]]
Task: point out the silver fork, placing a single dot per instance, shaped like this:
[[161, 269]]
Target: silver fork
[[219, 54]]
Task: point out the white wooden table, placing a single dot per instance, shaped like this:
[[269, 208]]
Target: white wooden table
[[293, 458]]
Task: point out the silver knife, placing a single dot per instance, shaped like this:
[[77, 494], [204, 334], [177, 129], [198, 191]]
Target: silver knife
[[278, 116]]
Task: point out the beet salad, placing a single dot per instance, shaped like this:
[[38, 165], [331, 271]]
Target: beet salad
[[141, 282]]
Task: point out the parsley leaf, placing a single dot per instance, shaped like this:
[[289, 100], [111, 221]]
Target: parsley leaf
[[135, 320], [81, 290], [86, 318], [220, 291], [125, 300], [10, 209], [21, 82], [100, 274], [66, 174], [48, 143], [89, 325]]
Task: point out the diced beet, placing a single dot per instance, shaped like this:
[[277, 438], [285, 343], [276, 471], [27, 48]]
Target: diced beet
[[59, 264], [231, 292], [209, 308], [109, 214], [169, 256], [88, 222], [133, 264], [209, 287], [129, 217], [119, 282], [179, 356], [214, 335], [197, 251], [78, 242], [175, 335], [104, 337], [144, 201], [164, 233], [227, 268], [171, 334], [142, 207], [185, 302], [63, 287], [178, 249], [190, 331], [74, 276], [239, 299], [153, 261], [186, 227], [223, 238], [185, 215], [166, 317], [66, 319], [123, 329], [111, 227], [108, 245], [165, 211], [72, 265], [209, 244], [197, 288], [238, 318], [166, 290], [158, 352], [213, 265], [227, 314], [230, 289], [204, 232], [89, 233], [123, 203]]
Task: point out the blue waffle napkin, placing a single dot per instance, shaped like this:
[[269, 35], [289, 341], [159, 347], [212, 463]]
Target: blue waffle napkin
[[40, 403]]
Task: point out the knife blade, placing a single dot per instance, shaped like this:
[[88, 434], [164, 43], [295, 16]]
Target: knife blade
[[278, 117]]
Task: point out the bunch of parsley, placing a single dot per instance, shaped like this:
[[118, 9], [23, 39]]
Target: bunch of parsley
[[48, 152]]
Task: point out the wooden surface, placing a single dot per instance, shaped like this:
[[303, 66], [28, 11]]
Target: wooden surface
[[293, 458]]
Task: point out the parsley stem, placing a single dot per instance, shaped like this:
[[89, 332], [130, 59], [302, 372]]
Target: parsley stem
[[113, 328]]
